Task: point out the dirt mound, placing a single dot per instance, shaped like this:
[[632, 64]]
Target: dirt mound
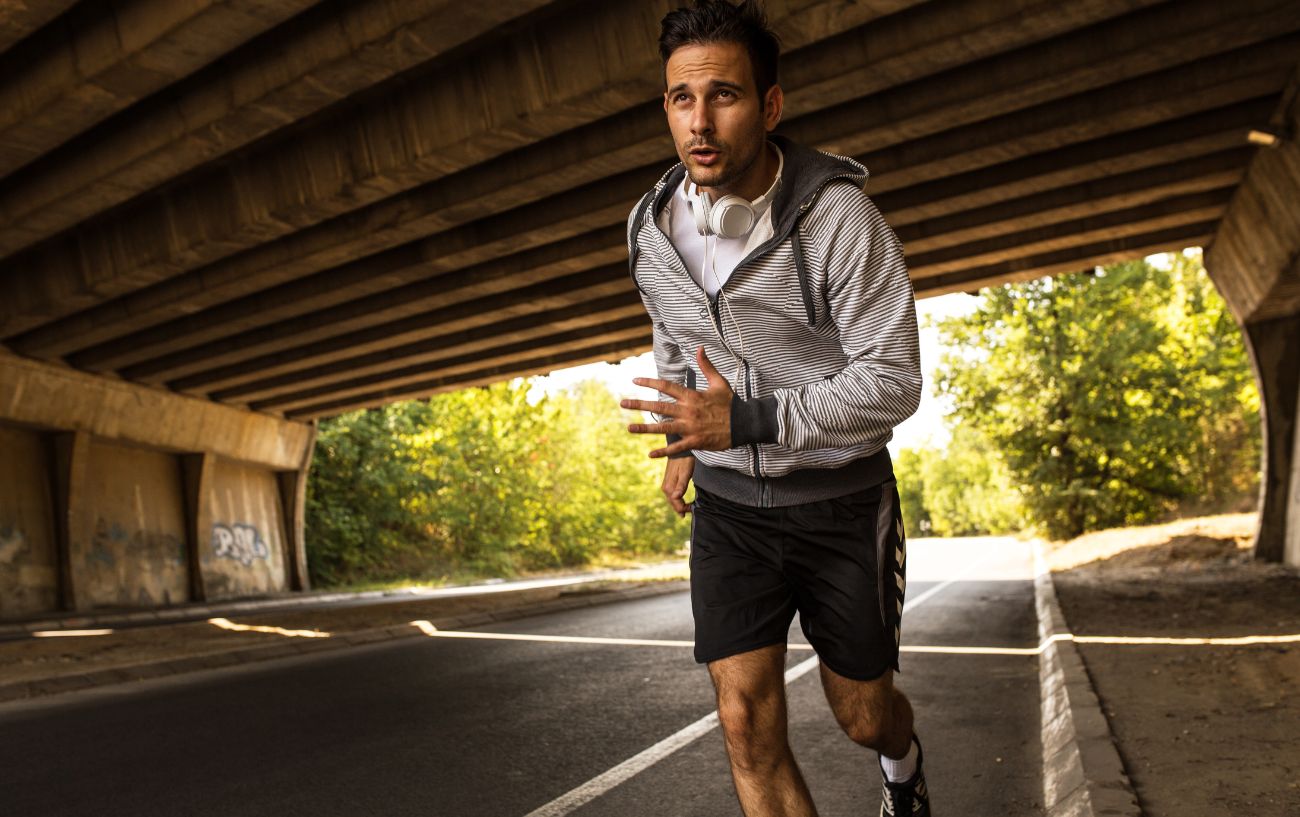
[[1221, 539], [1193, 550]]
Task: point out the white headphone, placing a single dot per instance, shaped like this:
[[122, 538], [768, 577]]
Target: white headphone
[[731, 216]]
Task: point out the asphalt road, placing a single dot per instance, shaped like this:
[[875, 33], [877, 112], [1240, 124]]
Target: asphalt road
[[500, 728]]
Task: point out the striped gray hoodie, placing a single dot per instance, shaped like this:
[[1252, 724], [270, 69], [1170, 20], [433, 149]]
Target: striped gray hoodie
[[828, 318]]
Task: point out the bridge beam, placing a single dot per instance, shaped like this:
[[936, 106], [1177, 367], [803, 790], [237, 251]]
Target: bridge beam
[[534, 84], [1254, 260], [1205, 126], [101, 57]]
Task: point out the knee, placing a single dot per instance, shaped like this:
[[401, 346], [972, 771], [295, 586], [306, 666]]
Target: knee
[[755, 741], [869, 731]]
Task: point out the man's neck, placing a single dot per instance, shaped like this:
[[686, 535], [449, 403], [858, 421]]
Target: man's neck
[[755, 182]]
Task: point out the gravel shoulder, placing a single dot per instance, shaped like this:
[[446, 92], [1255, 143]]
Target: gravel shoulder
[[1202, 729]]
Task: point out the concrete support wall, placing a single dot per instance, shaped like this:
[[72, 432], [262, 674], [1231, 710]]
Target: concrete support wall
[[114, 495], [1254, 260], [130, 550], [29, 574], [246, 546]]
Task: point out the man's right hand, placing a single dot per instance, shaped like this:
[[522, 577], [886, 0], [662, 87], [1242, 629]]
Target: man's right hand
[[677, 475]]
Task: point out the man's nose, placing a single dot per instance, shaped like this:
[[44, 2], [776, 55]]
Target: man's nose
[[701, 120]]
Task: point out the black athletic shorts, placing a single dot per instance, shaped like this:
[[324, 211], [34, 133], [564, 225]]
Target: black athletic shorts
[[839, 562]]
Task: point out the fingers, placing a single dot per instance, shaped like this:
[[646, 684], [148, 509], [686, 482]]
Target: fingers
[[677, 477], [657, 406], [666, 386], [711, 374], [678, 504], [684, 444], [654, 428]]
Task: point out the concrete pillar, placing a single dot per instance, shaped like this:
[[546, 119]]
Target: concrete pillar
[[197, 470], [1275, 354], [1291, 544], [71, 460], [293, 497], [1254, 260]]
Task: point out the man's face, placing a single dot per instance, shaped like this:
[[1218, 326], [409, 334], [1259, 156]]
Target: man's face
[[718, 122]]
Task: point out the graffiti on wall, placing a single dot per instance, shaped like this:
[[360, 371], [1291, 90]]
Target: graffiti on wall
[[27, 574], [12, 543], [243, 543], [126, 565]]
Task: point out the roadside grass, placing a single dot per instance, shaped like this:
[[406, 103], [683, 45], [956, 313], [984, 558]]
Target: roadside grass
[[649, 567]]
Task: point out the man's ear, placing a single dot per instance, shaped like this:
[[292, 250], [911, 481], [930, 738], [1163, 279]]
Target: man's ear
[[773, 101]]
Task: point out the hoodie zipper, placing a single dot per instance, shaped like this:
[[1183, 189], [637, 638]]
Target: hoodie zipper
[[711, 306], [756, 456]]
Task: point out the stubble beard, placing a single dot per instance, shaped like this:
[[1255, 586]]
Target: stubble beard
[[731, 171]]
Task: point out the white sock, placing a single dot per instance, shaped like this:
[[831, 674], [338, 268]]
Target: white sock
[[902, 769]]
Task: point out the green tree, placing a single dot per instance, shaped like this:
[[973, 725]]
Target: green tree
[[483, 481], [908, 471], [604, 487], [966, 488], [361, 471], [1110, 394]]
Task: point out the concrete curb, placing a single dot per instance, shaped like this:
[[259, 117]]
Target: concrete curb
[[1082, 772], [43, 688]]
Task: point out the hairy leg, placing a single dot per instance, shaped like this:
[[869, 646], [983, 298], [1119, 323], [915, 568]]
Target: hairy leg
[[873, 714], [751, 707]]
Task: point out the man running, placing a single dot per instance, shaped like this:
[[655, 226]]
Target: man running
[[768, 258]]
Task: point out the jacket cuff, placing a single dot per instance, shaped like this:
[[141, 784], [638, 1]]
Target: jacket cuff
[[672, 438], [753, 421]]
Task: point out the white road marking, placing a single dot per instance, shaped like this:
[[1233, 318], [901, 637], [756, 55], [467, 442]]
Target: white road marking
[[227, 624], [67, 633], [930, 649], [1239, 641], [428, 629], [595, 787]]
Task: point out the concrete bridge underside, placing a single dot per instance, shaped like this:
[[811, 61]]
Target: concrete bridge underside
[[221, 220]]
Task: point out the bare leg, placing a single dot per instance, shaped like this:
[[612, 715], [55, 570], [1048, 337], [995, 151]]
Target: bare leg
[[872, 713], [751, 707]]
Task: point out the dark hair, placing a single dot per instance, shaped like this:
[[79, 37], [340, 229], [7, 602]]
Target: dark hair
[[718, 21]]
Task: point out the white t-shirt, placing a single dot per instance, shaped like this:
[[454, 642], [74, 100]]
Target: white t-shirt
[[711, 259]]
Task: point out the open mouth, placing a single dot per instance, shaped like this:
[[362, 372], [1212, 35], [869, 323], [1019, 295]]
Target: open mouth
[[705, 156]]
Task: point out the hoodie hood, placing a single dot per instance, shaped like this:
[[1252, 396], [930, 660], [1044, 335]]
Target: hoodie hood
[[805, 175]]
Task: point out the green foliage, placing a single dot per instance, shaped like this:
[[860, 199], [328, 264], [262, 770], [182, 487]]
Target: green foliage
[[967, 489], [963, 490], [483, 482], [908, 467], [1112, 398]]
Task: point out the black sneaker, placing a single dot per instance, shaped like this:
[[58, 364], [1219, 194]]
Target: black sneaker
[[907, 799]]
